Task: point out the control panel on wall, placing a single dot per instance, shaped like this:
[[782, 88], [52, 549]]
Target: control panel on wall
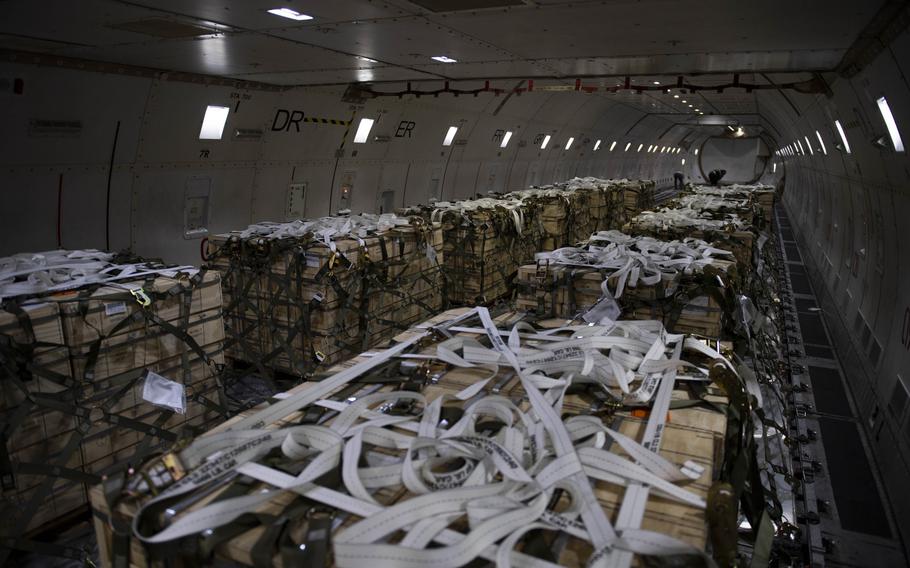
[[346, 190], [196, 197], [296, 201]]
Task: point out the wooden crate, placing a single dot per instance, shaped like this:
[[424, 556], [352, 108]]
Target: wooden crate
[[692, 433], [34, 361], [566, 292], [726, 237], [101, 342], [294, 305]]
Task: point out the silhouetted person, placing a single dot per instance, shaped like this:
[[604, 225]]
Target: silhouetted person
[[716, 175], [679, 180]]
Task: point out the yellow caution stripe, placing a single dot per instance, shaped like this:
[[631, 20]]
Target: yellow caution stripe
[[326, 121]]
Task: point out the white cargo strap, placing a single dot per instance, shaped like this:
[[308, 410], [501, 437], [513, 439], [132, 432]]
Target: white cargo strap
[[327, 228], [502, 483], [636, 260], [57, 271], [682, 218]]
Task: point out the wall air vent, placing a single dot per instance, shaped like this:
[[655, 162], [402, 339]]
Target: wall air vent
[[464, 5], [54, 128], [161, 27]]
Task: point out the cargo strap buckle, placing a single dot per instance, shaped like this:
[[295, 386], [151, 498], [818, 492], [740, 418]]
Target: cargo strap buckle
[[141, 297]]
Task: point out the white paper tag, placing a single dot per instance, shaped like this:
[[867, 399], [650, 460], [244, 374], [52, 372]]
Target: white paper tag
[[604, 312], [431, 253], [114, 308], [161, 391]]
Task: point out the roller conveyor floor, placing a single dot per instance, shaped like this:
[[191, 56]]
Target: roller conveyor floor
[[843, 501]]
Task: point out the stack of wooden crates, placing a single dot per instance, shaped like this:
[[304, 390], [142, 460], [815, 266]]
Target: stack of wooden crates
[[487, 239], [295, 304], [695, 434], [73, 366], [686, 302]]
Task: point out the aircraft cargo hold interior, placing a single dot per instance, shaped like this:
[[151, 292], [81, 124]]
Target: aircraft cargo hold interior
[[445, 283]]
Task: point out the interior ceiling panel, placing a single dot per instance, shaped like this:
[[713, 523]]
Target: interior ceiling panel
[[222, 55], [407, 42], [488, 38], [667, 26], [700, 62], [253, 14], [462, 5], [332, 76]]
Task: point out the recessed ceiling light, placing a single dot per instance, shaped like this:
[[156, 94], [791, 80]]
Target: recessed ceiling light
[[290, 14], [363, 130], [613, 145], [683, 101], [627, 146], [690, 106], [506, 138], [596, 145], [809, 144], [213, 122], [640, 146], [367, 59], [450, 136], [443, 59], [883, 108], [696, 110], [546, 140], [657, 82], [822, 142], [675, 96], [569, 143], [843, 136]]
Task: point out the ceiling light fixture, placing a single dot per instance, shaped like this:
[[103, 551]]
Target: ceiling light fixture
[[443, 59], [506, 138], [822, 142], [657, 82], [363, 130], [546, 140], [569, 142], [450, 136], [891, 124], [613, 145], [843, 136], [628, 144], [809, 145], [675, 96], [290, 14], [213, 122], [367, 59], [640, 146], [597, 145]]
